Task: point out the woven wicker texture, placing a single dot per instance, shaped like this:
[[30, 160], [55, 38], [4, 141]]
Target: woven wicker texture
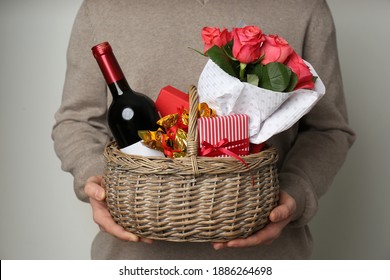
[[196, 199]]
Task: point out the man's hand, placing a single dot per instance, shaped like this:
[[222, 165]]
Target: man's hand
[[279, 217], [94, 190]]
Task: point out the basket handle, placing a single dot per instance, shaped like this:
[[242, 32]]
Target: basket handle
[[192, 136]]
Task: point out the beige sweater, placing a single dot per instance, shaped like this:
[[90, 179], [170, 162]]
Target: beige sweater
[[151, 40]]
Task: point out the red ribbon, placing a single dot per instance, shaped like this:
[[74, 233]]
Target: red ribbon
[[168, 151], [179, 123], [224, 147]]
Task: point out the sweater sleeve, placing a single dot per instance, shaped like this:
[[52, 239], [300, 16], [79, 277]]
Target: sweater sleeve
[[80, 132], [324, 136]]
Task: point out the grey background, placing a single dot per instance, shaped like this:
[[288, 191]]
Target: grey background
[[41, 218]]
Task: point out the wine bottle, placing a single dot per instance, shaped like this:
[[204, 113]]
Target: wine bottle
[[129, 111]]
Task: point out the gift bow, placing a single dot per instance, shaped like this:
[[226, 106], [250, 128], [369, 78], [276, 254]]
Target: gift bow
[[223, 147]]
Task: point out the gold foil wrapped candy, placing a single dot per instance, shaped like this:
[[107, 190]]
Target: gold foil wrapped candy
[[152, 139], [205, 111], [171, 138]]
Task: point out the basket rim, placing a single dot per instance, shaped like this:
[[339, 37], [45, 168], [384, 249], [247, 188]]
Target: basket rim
[[184, 165]]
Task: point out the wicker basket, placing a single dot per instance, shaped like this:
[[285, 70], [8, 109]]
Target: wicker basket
[[196, 199]]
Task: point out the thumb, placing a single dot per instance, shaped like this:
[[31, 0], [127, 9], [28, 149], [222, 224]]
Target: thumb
[[100, 194], [93, 188], [284, 210]]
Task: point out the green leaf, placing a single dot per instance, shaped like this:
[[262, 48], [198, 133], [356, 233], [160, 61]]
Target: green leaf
[[199, 52], [254, 73], [253, 79], [293, 82], [228, 48], [256, 69], [220, 58], [276, 77]]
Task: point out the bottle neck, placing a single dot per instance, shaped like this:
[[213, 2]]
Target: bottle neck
[[111, 69], [119, 87]]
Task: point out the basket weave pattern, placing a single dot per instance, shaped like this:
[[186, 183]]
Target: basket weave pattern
[[196, 199]]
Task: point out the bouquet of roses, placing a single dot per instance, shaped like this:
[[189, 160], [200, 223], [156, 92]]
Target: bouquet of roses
[[261, 75], [267, 61]]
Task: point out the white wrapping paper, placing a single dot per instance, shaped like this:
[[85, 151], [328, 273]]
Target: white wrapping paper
[[269, 112]]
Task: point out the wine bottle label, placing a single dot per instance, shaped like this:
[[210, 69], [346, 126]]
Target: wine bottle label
[[127, 114]]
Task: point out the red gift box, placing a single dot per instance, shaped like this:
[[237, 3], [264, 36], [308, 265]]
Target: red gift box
[[171, 99], [224, 135]]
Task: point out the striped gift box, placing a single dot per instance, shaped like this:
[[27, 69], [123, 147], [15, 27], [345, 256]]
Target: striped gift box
[[218, 134]]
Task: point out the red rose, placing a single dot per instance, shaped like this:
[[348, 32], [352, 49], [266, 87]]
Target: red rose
[[213, 36], [247, 43], [275, 49], [298, 66]]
